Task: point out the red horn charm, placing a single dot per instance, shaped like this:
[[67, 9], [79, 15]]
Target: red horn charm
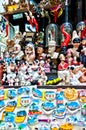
[[67, 37]]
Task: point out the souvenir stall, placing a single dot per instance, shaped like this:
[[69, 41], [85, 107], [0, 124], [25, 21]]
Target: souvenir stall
[[43, 69]]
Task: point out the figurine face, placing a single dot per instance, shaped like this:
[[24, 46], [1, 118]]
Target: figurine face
[[17, 48], [28, 50], [51, 49], [40, 50]]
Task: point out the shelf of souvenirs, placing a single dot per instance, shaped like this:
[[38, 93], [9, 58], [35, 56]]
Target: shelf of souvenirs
[[49, 86], [14, 11]]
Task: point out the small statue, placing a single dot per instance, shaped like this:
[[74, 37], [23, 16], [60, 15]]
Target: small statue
[[29, 53], [52, 49]]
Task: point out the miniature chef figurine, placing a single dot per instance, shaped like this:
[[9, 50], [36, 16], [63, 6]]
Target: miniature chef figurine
[[40, 52], [51, 49], [18, 52], [33, 22], [63, 71], [29, 53]]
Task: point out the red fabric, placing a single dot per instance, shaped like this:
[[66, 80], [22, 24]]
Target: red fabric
[[62, 67], [33, 22]]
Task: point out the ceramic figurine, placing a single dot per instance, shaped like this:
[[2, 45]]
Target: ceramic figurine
[[32, 21], [51, 34], [66, 40], [29, 53], [52, 49], [63, 71], [40, 52], [18, 52]]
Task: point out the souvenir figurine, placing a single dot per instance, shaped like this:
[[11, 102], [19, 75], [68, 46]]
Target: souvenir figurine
[[23, 126], [52, 49], [63, 71], [66, 41], [18, 52], [66, 126], [29, 53], [82, 47], [52, 34], [40, 52], [32, 21]]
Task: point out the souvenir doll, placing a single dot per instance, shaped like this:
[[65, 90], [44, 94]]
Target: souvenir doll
[[82, 47], [52, 49], [40, 52], [76, 43], [47, 65], [10, 81], [63, 71], [32, 21], [29, 53], [18, 52]]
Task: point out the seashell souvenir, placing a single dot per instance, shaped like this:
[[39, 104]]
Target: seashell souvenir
[[71, 94]]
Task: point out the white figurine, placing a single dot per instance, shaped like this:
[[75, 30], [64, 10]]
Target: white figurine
[[52, 49]]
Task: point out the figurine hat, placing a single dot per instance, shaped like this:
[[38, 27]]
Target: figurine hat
[[40, 45], [52, 43], [75, 37]]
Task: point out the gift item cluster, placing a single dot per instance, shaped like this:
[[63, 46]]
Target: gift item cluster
[[27, 107], [25, 63]]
